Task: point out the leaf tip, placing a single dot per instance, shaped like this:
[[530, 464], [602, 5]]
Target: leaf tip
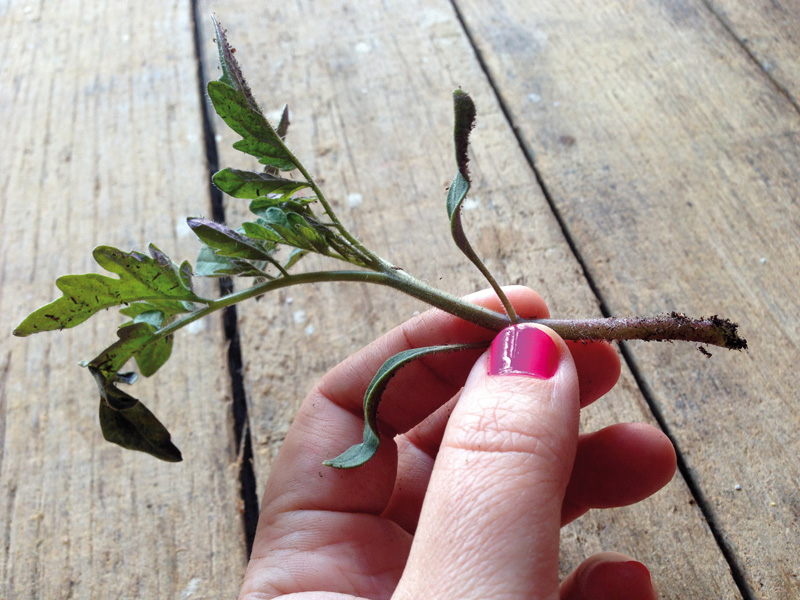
[[464, 109]]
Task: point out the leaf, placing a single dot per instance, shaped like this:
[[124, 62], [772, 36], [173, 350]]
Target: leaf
[[133, 339], [153, 356], [464, 109], [227, 242], [140, 278], [136, 428], [261, 205], [247, 184], [210, 264], [231, 72], [358, 454], [126, 422], [259, 138]]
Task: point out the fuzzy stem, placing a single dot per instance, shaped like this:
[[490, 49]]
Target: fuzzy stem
[[714, 330], [675, 326]]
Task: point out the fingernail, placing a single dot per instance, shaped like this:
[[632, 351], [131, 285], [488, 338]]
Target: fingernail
[[617, 580], [524, 350]]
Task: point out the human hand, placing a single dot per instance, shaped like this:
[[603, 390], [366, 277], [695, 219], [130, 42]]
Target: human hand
[[500, 467]]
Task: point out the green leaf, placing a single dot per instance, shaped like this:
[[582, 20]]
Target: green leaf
[[153, 356], [133, 339], [259, 138], [357, 455], [455, 196], [210, 264], [140, 278], [166, 308], [247, 184], [227, 242]]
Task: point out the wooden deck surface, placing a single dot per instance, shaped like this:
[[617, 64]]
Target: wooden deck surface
[[630, 157]]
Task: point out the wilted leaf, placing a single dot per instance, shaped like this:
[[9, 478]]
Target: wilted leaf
[[358, 454]]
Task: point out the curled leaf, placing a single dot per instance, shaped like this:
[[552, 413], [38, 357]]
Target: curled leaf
[[358, 454], [251, 185]]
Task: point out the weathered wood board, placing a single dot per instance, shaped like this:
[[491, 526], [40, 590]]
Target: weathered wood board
[[370, 93], [769, 32], [102, 143], [674, 162]]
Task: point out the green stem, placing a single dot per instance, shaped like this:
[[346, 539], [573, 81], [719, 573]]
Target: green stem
[[370, 257], [395, 279], [675, 326]]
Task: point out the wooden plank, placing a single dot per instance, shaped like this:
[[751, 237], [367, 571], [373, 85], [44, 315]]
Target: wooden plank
[[768, 29], [674, 162], [370, 93], [102, 143]]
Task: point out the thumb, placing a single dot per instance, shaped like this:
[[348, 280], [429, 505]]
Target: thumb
[[490, 522]]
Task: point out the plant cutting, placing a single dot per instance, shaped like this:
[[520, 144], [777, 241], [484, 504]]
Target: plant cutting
[[291, 219]]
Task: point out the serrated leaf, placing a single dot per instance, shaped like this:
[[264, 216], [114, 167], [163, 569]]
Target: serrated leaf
[[358, 454], [251, 185], [140, 278], [227, 242], [259, 138]]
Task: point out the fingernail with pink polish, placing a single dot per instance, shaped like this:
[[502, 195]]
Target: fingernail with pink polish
[[524, 350]]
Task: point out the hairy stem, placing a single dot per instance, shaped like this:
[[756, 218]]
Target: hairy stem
[[675, 326], [714, 330]]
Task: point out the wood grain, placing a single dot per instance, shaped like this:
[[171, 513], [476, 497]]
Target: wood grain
[[768, 30], [369, 91], [674, 162], [102, 143]]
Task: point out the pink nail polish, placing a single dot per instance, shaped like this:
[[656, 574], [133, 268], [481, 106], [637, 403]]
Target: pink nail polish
[[524, 350]]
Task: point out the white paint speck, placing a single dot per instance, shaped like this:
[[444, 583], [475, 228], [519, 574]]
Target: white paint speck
[[299, 316], [182, 228], [27, 9], [362, 47], [763, 260], [556, 104], [191, 588], [196, 327], [415, 313], [534, 97], [218, 138], [354, 200], [289, 300], [126, 37], [309, 330], [471, 203]]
